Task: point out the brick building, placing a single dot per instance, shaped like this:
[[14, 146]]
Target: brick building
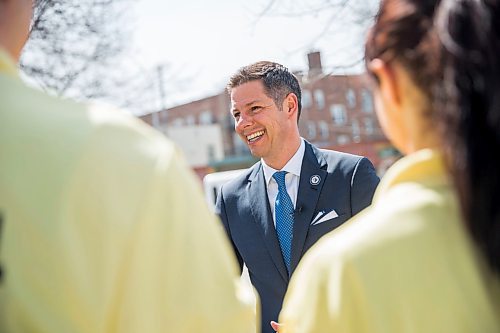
[[337, 113]]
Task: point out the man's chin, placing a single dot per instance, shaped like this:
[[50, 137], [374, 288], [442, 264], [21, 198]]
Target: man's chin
[[255, 153]]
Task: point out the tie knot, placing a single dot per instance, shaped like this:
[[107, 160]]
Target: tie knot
[[279, 176]]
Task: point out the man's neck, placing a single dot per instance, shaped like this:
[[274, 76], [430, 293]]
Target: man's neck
[[278, 162]]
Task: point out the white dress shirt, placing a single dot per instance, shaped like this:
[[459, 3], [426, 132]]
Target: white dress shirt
[[293, 168]]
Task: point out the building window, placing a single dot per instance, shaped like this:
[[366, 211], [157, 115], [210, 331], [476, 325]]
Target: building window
[[350, 97], [367, 101], [206, 118], [178, 122], [338, 113], [226, 120], [306, 99], [211, 152], [163, 116], [311, 130], [240, 147], [342, 139], [324, 130], [356, 131], [190, 120], [369, 127], [319, 96]]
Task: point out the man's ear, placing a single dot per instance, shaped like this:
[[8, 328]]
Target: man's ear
[[291, 104], [387, 81]]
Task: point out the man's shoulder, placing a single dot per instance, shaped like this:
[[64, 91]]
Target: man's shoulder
[[336, 159], [242, 179], [341, 156], [73, 121], [92, 131], [121, 137], [108, 130]]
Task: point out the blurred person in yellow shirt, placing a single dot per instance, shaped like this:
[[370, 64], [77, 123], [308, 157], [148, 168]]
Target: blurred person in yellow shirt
[[102, 226], [425, 257]]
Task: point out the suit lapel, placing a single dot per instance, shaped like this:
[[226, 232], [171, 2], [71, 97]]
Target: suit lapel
[[312, 178], [259, 203]]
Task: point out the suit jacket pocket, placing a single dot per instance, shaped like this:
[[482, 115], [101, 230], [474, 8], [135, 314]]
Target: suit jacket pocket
[[317, 231], [328, 225]]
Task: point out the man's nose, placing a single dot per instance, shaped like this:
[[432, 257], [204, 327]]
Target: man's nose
[[243, 122]]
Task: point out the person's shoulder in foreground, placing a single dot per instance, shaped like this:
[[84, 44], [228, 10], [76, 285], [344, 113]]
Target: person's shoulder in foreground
[[104, 227], [359, 170], [386, 268]]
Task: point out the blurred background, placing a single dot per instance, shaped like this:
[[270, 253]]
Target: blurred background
[[167, 62]]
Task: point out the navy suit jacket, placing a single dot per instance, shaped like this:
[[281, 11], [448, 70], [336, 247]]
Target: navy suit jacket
[[346, 184]]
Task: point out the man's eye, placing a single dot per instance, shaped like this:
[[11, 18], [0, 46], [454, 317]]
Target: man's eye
[[236, 115], [255, 108]]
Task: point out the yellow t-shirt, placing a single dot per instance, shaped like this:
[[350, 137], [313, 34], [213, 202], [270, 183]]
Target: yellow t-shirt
[[405, 264], [103, 226]]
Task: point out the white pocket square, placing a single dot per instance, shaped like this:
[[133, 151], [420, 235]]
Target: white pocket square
[[324, 216]]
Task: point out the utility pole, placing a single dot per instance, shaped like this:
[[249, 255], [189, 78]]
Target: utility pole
[[161, 89]]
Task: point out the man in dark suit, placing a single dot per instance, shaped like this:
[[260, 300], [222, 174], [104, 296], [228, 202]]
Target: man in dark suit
[[275, 211]]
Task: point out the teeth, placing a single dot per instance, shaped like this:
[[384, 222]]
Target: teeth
[[255, 135]]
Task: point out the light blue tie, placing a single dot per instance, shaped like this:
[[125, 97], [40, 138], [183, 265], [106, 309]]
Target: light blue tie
[[283, 208]]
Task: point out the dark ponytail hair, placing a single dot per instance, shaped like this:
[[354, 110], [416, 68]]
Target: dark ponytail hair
[[404, 31], [470, 35], [451, 48]]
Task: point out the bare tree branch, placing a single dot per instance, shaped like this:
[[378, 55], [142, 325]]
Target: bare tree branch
[[74, 44], [343, 21]]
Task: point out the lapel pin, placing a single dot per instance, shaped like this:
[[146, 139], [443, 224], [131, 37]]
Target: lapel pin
[[315, 180]]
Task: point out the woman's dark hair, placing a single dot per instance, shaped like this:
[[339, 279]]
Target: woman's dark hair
[[451, 48], [404, 31], [470, 32]]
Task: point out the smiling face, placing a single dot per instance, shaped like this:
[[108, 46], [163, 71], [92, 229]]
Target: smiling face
[[271, 133]]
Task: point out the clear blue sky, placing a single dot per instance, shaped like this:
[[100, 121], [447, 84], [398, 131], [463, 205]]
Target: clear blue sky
[[204, 42]]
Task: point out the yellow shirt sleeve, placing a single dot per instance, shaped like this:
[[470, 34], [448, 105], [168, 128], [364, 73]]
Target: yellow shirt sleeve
[[177, 273], [327, 300], [182, 277], [405, 264], [104, 227]]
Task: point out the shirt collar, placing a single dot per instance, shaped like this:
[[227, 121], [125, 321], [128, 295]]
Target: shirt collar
[[7, 64], [421, 166], [293, 166]]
